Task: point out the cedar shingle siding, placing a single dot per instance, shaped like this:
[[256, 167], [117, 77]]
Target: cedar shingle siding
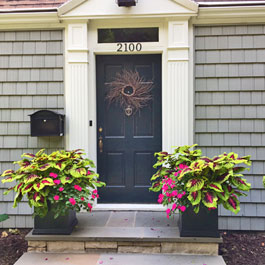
[[230, 108], [31, 78]]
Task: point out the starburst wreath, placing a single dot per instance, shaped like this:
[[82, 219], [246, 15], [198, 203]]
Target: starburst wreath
[[128, 89]]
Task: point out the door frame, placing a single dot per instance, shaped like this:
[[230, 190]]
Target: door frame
[[109, 49], [176, 48]]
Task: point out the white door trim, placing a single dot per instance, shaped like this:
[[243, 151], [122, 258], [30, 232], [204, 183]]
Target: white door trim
[[129, 207], [177, 84]]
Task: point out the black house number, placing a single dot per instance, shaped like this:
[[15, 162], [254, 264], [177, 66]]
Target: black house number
[[129, 47]]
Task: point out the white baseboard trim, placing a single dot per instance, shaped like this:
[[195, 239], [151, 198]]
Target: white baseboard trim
[[129, 207]]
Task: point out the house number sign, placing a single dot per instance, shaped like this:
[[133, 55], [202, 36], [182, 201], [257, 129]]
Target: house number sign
[[129, 47]]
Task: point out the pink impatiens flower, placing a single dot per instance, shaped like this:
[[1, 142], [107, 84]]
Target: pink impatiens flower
[[160, 198], [56, 197], [53, 175], [179, 196], [176, 173], [61, 189], [183, 208], [77, 187], [168, 212], [57, 181], [174, 193], [89, 206], [182, 166], [82, 198], [174, 206], [72, 201], [165, 188]]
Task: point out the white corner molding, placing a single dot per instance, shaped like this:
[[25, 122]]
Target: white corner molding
[[76, 86], [176, 124], [192, 5], [69, 5]]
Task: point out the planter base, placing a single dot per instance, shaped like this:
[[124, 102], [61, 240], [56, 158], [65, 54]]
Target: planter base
[[203, 224], [63, 225]]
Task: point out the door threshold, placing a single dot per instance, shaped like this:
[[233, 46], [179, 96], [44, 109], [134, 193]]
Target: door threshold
[[128, 207]]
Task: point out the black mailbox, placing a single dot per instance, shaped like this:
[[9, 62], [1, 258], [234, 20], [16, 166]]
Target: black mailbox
[[126, 3], [47, 123]]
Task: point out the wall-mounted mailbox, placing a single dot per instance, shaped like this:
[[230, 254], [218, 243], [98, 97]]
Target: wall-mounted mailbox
[[47, 123], [127, 3]]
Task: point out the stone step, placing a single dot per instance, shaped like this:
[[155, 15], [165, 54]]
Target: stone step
[[117, 259], [124, 232]]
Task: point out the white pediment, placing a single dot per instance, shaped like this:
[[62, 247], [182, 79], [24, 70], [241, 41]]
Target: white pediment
[[109, 8]]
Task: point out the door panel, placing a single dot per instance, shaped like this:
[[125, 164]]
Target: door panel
[[129, 142]]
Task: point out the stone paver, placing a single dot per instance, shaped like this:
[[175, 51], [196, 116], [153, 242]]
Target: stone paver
[[155, 219], [122, 219], [122, 226], [98, 219], [117, 259], [64, 246]]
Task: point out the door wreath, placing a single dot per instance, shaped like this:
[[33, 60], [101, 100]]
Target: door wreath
[[130, 91]]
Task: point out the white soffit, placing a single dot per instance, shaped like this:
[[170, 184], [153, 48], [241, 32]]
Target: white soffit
[[109, 8]]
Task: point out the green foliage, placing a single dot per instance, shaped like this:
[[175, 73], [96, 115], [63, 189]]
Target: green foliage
[[54, 179], [187, 178], [3, 217]]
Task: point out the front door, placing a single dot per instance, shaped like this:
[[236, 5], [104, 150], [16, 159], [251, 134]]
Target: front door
[[129, 129]]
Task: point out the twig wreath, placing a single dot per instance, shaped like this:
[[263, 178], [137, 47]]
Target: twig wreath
[[130, 91]]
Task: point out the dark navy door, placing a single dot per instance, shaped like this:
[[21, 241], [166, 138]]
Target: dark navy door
[[127, 141]]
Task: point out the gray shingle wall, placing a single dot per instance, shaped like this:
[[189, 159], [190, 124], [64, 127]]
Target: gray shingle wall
[[230, 108], [31, 78]]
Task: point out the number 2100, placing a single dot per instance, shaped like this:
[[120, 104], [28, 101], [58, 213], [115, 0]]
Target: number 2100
[[129, 47]]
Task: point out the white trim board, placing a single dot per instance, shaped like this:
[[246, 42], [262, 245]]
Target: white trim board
[[129, 207]]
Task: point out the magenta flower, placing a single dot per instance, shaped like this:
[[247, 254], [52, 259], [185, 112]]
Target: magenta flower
[[89, 206], [95, 191], [183, 208], [165, 188], [182, 166], [72, 201], [88, 172], [77, 187], [176, 173], [160, 198], [53, 175], [56, 197], [82, 198], [174, 193], [61, 189], [57, 181], [174, 206], [168, 212]]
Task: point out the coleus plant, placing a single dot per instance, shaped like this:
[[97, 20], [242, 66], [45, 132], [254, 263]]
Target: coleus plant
[[186, 178], [63, 179]]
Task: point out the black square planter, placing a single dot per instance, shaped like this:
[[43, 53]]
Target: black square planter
[[63, 225], [203, 224]]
